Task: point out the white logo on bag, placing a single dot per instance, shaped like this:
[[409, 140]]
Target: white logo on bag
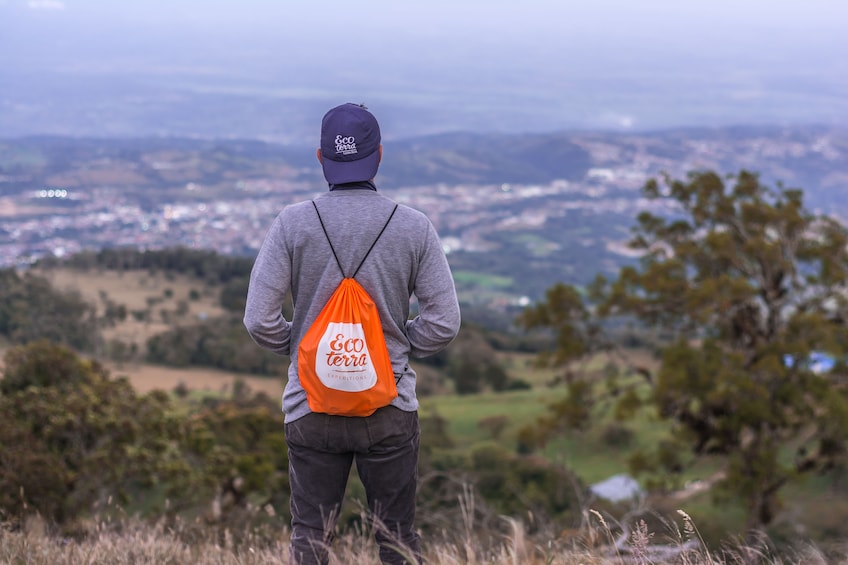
[[345, 145], [342, 361]]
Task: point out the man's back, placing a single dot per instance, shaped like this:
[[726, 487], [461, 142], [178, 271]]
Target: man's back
[[407, 259]]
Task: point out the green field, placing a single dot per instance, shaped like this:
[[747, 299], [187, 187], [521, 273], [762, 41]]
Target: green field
[[481, 280], [592, 458]]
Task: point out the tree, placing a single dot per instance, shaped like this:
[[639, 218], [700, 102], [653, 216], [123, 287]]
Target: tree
[[576, 336], [31, 309], [70, 435], [239, 448], [473, 364], [752, 286], [217, 342]]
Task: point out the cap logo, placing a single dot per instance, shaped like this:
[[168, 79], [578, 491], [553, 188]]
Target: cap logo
[[345, 145]]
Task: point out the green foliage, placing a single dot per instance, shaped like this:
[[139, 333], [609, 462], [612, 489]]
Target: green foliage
[[234, 294], [494, 425], [617, 435], [73, 436], [564, 312], [241, 452], [218, 342], [31, 309], [434, 432], [574, 411], [751, 284], [758, 279], [31, 474], [472, 363], [43, 364], [515, 484], [201, 264], [506, 483]]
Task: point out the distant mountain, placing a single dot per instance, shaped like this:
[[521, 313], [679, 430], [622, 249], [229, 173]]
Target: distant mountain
[[814, 157], [484, 159]]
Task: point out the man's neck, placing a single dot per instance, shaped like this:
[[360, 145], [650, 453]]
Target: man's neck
[[365, 184]]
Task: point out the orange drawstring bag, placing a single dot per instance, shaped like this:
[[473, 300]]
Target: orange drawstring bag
[[343, 362]]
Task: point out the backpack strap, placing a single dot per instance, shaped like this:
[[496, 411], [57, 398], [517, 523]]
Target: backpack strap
[[367, 253]]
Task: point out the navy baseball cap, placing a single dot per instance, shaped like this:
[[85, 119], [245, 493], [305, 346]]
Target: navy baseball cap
[[350, 143]]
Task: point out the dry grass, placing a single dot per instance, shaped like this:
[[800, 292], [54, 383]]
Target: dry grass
[[131, 288], [138, 291], [145, 378], [599, 543]]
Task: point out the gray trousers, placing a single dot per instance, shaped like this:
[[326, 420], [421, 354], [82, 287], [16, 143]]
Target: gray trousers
[[322, 449]]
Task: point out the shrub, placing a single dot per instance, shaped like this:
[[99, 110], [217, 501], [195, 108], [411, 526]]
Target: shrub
[[73, 434], [617, 435]]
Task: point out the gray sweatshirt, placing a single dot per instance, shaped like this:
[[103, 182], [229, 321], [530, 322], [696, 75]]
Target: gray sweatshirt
[[408, 259]]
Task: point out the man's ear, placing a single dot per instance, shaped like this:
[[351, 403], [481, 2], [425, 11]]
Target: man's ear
[[318, 154]]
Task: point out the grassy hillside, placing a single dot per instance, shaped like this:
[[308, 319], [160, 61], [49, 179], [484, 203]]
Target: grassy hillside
[[473, 421], [154, 301]]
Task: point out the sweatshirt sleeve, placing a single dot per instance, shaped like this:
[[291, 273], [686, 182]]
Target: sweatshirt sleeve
[[270, 282], [438, 317]]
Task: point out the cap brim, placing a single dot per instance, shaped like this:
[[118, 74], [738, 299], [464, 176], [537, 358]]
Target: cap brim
[[341, 172]]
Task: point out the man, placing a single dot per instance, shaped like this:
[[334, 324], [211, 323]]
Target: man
[[407, 258]]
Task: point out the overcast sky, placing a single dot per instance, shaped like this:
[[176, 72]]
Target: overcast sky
[[429, 48], [526, 26]]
